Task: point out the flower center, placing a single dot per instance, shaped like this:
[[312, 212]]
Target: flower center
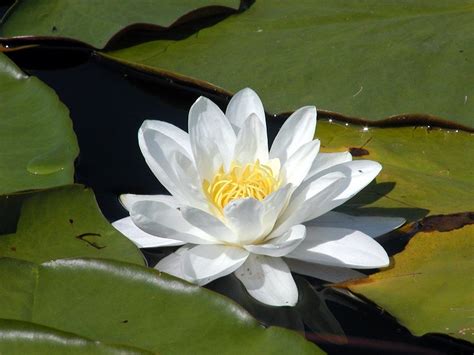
[[241, 181]]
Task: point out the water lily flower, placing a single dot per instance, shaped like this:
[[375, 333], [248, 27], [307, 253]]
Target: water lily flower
[[238, 207]]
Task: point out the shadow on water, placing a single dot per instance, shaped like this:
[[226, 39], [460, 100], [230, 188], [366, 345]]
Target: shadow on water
[[108, 103]]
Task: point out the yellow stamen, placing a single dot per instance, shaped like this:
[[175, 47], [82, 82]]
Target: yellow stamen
[[251, 180]]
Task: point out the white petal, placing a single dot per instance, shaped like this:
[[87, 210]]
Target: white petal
[[268, 280], [208, 158], [297, 130], [177, 134], [245, 218], [164, 154], [205, 263], [209, 224], [362, 172], [140, 238], [297, 166], [373, 226], [323, 272], [162, 220], [241, 106], [340, 247], [189, 181], [326, 160], [251, 142], [327, 190], [173, 263], [275, 166], [282, 245], [128, 200], [212, 137], [190, 191], [274, 204], [310, 201]]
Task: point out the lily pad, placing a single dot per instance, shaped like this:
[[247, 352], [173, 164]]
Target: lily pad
[[37, 142], [62, 223], [429, 288], [366, 59], [27, 338], [135, 306], [96, 22], [425, 171]]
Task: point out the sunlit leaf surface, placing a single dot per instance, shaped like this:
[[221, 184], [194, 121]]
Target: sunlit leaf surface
[[95, 22], [122, 303], [429, 287], [61, 223], [370, 59], [37, 142]]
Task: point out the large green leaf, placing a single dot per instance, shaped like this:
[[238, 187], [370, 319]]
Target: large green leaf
[[122, 303], [37, 142], [19, 338], [429, 287], [61, 223], [424, 170], [95, 22], [369, 59]]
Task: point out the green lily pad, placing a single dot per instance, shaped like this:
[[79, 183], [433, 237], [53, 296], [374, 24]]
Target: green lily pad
[[37, 143], [18, 338], [424, 170], [116, 302], [429, 288], [96, 22], [62, 223], [366, 59]]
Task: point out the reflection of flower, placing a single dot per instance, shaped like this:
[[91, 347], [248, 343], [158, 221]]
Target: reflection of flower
[[236, 207]]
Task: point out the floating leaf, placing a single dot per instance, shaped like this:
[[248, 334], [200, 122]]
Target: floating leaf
[[367, 59], [37, 142], [429, 287], [28, 338], [424, 170], [62, 223], [96, 22], [116, 302]]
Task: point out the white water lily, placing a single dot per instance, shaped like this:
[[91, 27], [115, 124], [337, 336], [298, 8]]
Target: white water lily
[[236, 207]]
